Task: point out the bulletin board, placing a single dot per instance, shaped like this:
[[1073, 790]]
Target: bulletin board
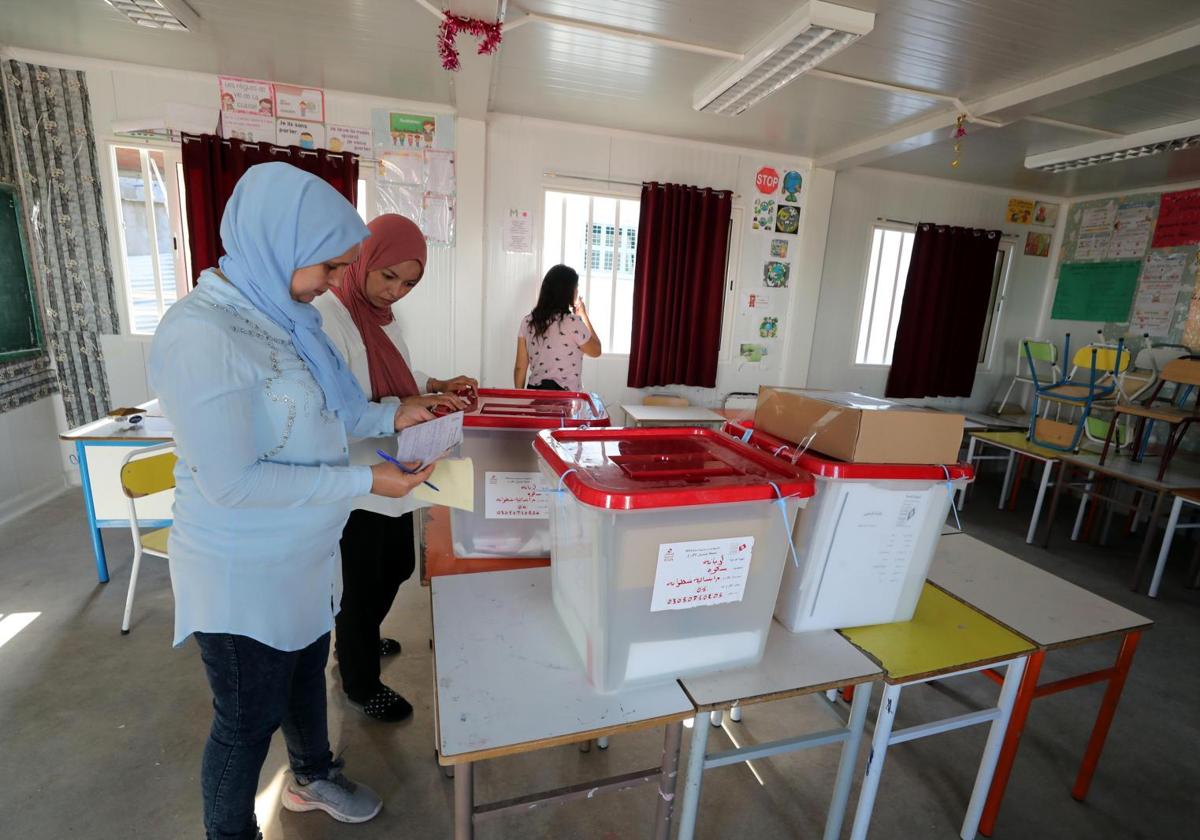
[[20, 332], [1156, 234]]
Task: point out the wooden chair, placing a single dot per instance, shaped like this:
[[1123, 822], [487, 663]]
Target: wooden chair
[[1184, 374], [144, 472]]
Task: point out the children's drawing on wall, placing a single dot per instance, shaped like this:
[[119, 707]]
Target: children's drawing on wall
[[787, 218], [779, 248], [769, 327], [1019, 212], [775, 274], [1045, 214], [791, 185], [752, 352], [1037, 244], [764, 214]]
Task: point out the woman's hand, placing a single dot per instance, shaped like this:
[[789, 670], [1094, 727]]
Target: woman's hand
[[429, 401], [458, 383], [391, 481], [410, 415]]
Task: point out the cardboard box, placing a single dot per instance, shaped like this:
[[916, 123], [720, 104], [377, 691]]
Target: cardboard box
[[855, 427]]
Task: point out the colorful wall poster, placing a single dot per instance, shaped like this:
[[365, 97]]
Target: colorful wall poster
[[246, 96], [252, 128], [1045, 214], [792, 182], [1037, 244], [752, 352], [1095, 291], [348, 138], [768, 327], [1095, 231], [766, 180], [775, 274], [1019, 212], [408, 131], [1157, 293], [764, 214], [300, 103], [787, 218], [1178, 219], [779, 248], [517, 233], [1131, 230], [306, 135]]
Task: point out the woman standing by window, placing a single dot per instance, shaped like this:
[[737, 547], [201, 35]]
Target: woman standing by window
[[555, 336]]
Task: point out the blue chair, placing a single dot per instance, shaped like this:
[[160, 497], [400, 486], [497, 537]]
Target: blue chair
[[1105, 367]]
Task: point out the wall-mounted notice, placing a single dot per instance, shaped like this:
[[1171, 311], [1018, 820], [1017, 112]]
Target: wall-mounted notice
[[1037, 244], [1019, 212], [306, 135], [1154, 305], [1178, 219], [439, 172], [300, 103], [246, 96], [252, 128], [756, 303], [1095, 231], [348, 138], [701, 573], [437, 219], [518, 232], [1045, 214], [407, 167], [1132, 229], [515, 495], [1095, 291]]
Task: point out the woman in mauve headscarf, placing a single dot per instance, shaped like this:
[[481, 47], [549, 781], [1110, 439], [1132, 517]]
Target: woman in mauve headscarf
[[377, 543], [262, 406]]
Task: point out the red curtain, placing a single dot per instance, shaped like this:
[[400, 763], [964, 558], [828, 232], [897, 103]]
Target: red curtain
[[211, 168], [945, 307], [679, 285]]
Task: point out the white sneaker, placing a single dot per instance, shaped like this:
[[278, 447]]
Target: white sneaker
[[344, 800]]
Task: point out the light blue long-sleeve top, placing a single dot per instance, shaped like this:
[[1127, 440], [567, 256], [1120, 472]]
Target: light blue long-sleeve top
[[263, 485]]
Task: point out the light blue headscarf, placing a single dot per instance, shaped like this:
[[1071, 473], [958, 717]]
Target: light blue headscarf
[[278, 219]]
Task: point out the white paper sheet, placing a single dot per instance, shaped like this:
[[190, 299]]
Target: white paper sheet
[[401, 168], [426, 442], [701, 573], [1134, 224], [1154, 305], [518, 232], [515, 495], [1095, 231], [439, 172], [437, 219]]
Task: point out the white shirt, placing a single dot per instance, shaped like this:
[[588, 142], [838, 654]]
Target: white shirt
[[343, 332]]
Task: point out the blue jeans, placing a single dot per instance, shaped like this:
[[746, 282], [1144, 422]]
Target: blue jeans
[[256, 690]]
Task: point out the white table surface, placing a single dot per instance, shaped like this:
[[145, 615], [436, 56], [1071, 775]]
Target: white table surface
[[1044, 608], [508, 680], [793, 664], [671, 414], [154, 427], [1182, 473]]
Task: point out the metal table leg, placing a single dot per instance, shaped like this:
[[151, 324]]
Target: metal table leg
[[666, 783], [991, 750], [1012, 739], [464, 802], [1151, 526], [884, 720], [692, 778], [847, 762], [1047, 470], [1168, 538], [1008, 472], [1104, 718]]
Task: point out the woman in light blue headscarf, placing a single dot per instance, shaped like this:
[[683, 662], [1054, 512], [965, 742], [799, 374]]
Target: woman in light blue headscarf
[[262, 405]]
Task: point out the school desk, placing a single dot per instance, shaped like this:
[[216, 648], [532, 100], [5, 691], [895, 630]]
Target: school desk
[[640, 416], [1052, 614], [100, 447], [509, 682], [1015, 446], [793, 664], [1141, 476], [945, 638], [1182, 497]]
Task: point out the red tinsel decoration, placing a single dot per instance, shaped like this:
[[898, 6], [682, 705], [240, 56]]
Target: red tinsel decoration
[[488, 33]]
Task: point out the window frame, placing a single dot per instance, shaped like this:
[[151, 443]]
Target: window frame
[[862, 291]]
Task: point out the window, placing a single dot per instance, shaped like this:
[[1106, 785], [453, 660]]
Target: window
[[887, 273], [597, 236], [362, 200], [153, 248]]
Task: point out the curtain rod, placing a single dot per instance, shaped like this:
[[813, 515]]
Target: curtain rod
[[613, 181], [1003, 235], [275, 148]]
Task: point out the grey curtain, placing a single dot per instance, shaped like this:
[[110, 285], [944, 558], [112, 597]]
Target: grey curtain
[[57, 164]]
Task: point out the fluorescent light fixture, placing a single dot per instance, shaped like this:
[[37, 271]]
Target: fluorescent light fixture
[[810, 35], [172, 15], [1168, 138]]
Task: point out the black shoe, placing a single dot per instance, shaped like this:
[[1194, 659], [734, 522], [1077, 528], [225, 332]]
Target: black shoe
[[388, 647], [387, 706]]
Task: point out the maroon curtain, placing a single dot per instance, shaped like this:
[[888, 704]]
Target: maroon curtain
[[945, 306], [679, 285], [211, 168]]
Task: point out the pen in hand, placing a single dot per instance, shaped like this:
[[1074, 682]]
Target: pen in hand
[[403, 468]]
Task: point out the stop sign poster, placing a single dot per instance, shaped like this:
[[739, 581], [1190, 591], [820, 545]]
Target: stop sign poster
[[767, 180]]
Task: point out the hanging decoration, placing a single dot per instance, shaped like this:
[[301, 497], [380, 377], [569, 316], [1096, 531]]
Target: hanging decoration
[[960, 132], [488, 32]]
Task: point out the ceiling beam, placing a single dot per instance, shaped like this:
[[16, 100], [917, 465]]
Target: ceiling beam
[[471, 86], [1163, 54]]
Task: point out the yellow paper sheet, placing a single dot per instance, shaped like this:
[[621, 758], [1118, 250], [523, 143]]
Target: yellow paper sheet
[[455, 482]]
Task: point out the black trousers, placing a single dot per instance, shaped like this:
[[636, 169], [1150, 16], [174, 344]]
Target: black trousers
[[377, 556]]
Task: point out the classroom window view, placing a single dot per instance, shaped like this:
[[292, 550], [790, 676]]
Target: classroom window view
[[152, 245], [597, 236]]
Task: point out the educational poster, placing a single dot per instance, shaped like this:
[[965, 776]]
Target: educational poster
[[787, 218], [517, 233], [515, 495], [1095, 291], [775, 274], [406, 167], [300, 103], [1131, 229], [1191, 326], [779, 248], [701, 573], [306, 135], [768, 327], [1095, 231], [439, 172], [1037, 244], [1178, 219], [1019, 212], [1157, 293], [764, 214], [252, 128], [792, 182], [1045, 214], [348, 138], [246, 96], [407, 131]]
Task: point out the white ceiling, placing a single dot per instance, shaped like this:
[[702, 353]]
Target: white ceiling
[[970, 49]]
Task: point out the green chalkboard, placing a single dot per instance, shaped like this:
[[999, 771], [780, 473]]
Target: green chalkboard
[[1096, 291], [20, 334]]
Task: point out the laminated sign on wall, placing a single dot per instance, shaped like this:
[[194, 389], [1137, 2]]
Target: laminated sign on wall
[[701, 573]]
